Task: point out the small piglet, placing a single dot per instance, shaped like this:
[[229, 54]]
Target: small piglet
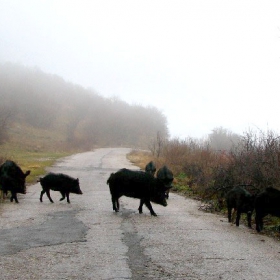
[[59, 182]]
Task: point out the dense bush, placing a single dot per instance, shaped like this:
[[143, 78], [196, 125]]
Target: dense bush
[[252, 161]]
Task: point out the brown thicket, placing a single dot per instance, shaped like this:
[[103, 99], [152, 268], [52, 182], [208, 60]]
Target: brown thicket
[[251, 160]]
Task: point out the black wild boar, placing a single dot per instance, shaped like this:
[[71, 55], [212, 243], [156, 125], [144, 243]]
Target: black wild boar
[[166, 176], [150, 168], [136, 184], [242, 202], [267, 202], [12, 179], [59, 182]]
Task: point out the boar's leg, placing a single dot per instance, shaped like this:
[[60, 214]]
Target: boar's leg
[[41, 196], [229, 214], [238, 217], [149, 205], [118, 204], [14, 196], [63, 196], [67, 196], [259, 222], [49, 196], [115, 203], [140, 209], [249, 217]]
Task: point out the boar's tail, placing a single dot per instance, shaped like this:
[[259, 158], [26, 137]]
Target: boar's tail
[[110, 178]]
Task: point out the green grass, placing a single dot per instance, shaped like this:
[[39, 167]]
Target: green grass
[[37, 162], [33, 149]]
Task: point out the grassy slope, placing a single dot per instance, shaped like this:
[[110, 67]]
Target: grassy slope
[[33, 149]]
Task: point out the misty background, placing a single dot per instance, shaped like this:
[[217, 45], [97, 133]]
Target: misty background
[[184, 68], [78, 117]]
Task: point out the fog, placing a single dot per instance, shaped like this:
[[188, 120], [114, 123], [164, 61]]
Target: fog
[[71, 116], [204, 64]]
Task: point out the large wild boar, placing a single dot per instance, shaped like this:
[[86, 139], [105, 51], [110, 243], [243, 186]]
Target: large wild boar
[[267, 202], [242, 201], [166, 176], [12, 179], [59, 182], [136, 184]]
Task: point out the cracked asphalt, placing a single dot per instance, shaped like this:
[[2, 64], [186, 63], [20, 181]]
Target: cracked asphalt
[[87, 240]]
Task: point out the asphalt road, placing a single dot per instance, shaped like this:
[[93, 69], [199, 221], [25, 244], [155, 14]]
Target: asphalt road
[[87, 240]]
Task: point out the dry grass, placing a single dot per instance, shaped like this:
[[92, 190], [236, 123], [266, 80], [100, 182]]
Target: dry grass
[[139, 158], [33, 149]]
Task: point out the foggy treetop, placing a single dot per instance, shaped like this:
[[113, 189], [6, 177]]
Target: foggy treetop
[[46, 101]]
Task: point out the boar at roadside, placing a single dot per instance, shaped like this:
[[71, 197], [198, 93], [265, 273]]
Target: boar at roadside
[[12, 179]]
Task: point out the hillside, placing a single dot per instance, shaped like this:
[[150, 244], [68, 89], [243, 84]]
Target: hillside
[[42, 111]]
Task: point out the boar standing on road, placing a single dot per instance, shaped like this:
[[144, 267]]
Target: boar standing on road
[[267, 202], [136, 184], [151, 168], [166, 176], [12, 179], [242, 202], [59, 182]]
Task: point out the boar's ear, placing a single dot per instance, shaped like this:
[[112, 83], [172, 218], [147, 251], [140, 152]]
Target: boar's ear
[[27, 173]]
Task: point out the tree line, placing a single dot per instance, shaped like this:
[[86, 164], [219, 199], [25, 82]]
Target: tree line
[[84, 118]]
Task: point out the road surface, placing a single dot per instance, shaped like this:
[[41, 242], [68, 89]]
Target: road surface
[[87, 240]]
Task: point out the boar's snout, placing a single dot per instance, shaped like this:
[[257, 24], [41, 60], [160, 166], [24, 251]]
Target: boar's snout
[[164, 203]]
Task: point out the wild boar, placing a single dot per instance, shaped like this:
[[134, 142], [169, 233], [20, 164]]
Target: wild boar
[[12, 179], [59, 182], [267, 202], [137, 184], [242, 201]]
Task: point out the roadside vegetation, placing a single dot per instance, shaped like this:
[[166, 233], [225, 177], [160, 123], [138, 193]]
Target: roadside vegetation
[[207, 169]]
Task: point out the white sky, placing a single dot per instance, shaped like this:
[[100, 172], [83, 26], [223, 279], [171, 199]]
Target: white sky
[[203, 63]]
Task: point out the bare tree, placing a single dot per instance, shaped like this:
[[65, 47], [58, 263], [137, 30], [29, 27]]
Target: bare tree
[[157, 145]]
